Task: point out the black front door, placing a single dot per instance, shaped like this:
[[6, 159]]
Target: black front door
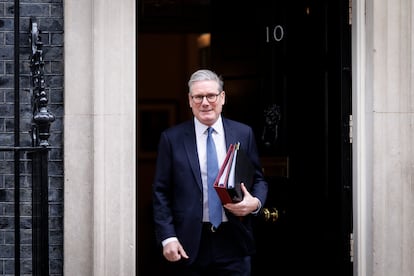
[[286, 66]]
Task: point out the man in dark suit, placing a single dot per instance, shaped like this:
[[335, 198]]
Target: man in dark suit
[[191, 243]]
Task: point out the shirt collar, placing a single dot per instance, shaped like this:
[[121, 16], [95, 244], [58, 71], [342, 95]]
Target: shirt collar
[[202, 128]]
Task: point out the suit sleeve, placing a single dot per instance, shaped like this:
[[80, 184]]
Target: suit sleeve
[[260, 186], [162, 190]]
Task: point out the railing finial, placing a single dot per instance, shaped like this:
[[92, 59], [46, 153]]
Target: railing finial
[[42, 117]]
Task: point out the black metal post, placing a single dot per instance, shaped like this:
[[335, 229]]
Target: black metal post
[[40, 214], [16, 137], [42, 119]]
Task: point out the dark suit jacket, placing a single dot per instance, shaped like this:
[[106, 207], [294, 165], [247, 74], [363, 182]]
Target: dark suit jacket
[[177, 187]]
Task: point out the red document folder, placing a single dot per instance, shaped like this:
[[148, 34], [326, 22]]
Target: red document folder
[[220, 184], [236, 169]]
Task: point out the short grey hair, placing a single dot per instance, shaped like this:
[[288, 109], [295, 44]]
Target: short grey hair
[[205, 75]]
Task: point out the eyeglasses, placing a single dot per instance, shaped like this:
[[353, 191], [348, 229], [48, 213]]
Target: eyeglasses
[[211, 98]]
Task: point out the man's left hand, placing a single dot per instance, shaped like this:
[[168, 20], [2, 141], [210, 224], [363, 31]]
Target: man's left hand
[[248, 205]]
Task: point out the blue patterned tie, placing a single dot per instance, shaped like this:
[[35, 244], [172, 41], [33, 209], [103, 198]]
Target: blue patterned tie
[[214, 204]]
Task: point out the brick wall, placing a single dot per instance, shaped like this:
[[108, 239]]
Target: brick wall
[[49, 15]]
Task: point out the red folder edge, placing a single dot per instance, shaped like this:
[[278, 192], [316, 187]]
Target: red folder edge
[[222, 189]]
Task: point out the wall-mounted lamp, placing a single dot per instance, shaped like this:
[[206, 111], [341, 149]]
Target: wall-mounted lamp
[[203, 40]]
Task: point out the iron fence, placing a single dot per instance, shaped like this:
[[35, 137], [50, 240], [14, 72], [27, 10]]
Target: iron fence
[[37, 155]]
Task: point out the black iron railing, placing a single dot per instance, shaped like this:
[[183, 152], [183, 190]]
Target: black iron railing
[[37, 152], [40, 133]]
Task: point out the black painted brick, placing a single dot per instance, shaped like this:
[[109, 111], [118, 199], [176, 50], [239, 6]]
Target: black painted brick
[[6, 81], [6, 222], [6, 251], [6, 195], [26, 209], [25, 251], [8, 209], [9, 67], [55, 210], [9, 267], [9, 236], [7, 24], [9, 179], [49, 15], [26, 236], [26, 266], [35, 9]]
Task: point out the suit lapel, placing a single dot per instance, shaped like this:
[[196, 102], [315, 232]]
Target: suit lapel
[[190, 145], [229, 133]]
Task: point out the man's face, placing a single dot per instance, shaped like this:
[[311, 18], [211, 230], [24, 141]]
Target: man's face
[[209, 109]]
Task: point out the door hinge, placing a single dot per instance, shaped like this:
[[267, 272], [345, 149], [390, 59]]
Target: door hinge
[[351, 247], [350, 129]]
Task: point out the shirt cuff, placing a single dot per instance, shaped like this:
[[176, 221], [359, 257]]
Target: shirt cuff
[[259, 206], [164, 242]]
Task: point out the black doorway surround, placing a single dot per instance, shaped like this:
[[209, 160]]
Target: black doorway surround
[[287, 72]]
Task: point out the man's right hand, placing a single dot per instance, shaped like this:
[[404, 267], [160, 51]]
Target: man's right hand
[[173, 251]]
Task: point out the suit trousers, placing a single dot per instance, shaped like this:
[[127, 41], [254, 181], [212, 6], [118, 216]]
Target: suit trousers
[[219, 255]]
